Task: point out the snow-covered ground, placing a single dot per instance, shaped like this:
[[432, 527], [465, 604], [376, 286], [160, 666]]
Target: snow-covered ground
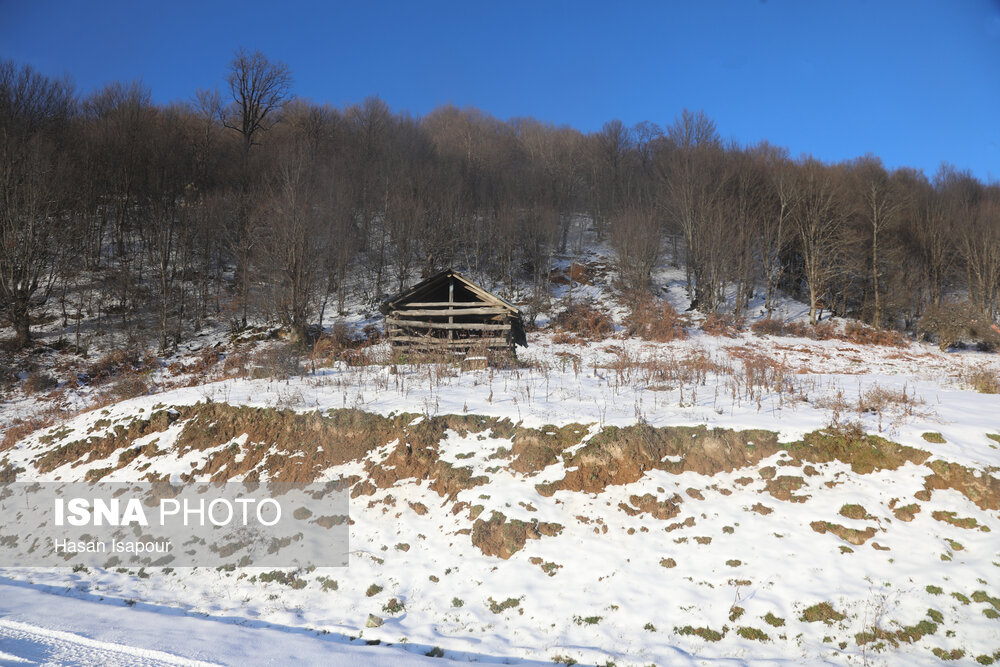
[[44, 626], [615, 583]]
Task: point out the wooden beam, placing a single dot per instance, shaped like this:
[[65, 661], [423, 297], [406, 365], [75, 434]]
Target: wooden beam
[[469, 326], [449, 312], [445, 304], [444, 342]]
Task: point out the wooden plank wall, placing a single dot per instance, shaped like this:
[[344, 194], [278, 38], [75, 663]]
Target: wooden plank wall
[[420, 326]]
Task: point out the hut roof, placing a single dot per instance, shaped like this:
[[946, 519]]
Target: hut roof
[[434, 282], [436, 288]]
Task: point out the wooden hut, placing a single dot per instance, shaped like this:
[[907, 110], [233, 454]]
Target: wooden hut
[[448, 313]]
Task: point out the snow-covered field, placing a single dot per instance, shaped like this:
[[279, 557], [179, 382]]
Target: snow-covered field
[[727, 556]]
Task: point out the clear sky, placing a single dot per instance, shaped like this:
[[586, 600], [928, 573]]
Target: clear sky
[[915, 82]]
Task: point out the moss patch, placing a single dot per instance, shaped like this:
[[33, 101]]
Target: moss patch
[[823, 611]]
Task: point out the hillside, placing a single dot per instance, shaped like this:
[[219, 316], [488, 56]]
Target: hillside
[[732, 496]]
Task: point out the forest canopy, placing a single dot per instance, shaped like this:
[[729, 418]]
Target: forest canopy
[[246, 203]]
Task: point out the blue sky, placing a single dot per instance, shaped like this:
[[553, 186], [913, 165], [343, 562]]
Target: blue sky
[[914, 82]]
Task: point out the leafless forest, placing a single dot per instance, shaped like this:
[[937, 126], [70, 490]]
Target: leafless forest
[[246, 203]]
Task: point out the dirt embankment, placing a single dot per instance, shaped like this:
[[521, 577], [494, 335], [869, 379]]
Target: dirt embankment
[[288, 446], [503, 538], [621, 455]]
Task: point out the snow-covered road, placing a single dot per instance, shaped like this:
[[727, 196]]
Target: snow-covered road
[[39, 627]]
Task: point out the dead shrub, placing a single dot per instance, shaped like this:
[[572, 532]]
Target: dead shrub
[[984, 381], [879, 399], [577, 273], [957, 323], [206, 360], [129, 386], [236, 363], [768, 327], [656, 320], [723, 324], [278, 362], [861, 334], [23, 427], [585, 319], [116, 362], [38, 381]]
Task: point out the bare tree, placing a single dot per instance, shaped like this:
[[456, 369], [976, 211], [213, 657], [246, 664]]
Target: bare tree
[[259, 89], [817, 221], [635, 236], [879, 203], [33, 113]]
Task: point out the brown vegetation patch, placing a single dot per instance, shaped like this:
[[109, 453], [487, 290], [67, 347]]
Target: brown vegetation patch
[[94, 448], [723, 324], [536, 449], [650, 504], [585, 319], [503, 538], [823, 611], [621, 455], [655, 320], [981, 488], [783, 486], [950, 517], [761, 509], [852, 535]]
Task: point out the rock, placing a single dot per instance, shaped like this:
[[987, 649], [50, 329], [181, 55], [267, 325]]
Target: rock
[[373, 621]]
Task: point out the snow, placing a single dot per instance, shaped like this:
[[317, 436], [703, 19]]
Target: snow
[[40, 626]]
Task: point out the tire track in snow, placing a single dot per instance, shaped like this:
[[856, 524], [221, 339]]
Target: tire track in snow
[[25, 644]]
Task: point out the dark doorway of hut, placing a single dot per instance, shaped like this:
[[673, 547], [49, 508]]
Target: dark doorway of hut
[[449, 318]]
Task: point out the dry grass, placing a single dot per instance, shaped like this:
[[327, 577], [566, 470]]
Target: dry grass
[[37, 382], [723, 324], [656, 320], [585, 319], [21, 428], [120, 362], [856, 332], [983, 380], [774, 327]]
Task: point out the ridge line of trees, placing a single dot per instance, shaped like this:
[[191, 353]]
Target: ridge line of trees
[[251, 203]]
